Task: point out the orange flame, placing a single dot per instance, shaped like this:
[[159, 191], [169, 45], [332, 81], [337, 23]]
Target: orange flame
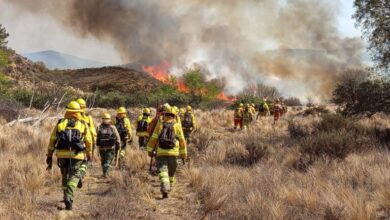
[[222, 96], [159, 71], [182, 87]]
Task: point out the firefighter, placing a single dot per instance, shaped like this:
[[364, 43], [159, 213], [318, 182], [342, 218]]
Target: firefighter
[[123, 126], [277, 110], [71, 140], [107, 140], [88, 119], [181, 113], [143, 123], [263, 109], [253, 108], [238, 116], [188, 123], [168, 142], [247, 116]]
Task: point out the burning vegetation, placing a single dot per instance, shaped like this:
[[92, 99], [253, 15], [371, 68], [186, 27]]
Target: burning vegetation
[[192, 82]]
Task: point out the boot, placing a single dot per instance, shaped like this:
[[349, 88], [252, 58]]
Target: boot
[[165, 195], [68, 204], [80, 184]]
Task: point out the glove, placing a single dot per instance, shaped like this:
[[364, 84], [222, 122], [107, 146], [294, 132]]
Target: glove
[[49, 160]]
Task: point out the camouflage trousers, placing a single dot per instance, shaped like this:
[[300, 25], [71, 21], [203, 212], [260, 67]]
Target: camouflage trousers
[[106, 158], [187, 134], [142, 141], [72, 170], [166, 168]]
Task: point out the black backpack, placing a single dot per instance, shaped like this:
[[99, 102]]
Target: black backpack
[[120, 126], [106, 136], [187, 120], [70, 139], [167, 138], [261, 108], [142, 125]]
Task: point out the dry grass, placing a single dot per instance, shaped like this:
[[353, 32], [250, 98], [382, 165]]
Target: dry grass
[[254, 174]]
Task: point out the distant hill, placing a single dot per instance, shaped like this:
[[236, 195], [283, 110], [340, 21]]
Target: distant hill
[[56, 60]]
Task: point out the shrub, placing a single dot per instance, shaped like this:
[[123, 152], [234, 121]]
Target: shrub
[[293, 101], [360, 95], [334, 136]]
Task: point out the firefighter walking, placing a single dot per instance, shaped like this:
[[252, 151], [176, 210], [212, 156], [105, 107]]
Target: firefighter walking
[[107, 140], [123, 126], [238, 116], [168, 142], [188, 123], [143, 123], [71, 141]]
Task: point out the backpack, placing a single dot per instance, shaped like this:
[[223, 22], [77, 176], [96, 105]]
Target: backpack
[[70, 138], [120, 126], [261, 108], [167, 138], [106, 136], [187, 120], [142, 125]]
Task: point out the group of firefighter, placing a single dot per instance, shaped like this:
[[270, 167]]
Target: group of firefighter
[[73, 140], [164, 136], [244, 115]]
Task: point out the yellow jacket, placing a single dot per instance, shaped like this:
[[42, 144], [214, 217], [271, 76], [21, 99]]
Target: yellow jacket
[[194, 123], [89, 120], [181, 146], [127, 125], [85, 137], [148, 120], [253, 110]]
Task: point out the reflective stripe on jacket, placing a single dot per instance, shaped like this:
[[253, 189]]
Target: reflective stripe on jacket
[[179, 149], [148, 120], [86, 139]]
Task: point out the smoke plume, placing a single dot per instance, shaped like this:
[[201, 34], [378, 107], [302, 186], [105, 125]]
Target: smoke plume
[[291, 44]]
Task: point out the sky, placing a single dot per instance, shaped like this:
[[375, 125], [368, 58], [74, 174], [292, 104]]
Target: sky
[[26, 32]]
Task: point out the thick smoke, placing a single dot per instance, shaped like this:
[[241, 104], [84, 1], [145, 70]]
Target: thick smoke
[[243, 41]]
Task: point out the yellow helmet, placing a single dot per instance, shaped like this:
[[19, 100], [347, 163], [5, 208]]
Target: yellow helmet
[[182, 110], [241, 105], [146, 111], [106, 116], [171, 110], [189, 108], [82, 103], [121, 110], [73, 106]]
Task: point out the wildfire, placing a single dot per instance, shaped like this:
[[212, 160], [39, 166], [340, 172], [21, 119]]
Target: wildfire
[[224, 97], [161, 73], [182, 87]]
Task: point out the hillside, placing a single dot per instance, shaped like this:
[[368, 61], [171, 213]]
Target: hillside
[[56, 60], [106, 78]]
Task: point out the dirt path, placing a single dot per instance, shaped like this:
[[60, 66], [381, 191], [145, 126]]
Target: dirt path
[[180, 204]]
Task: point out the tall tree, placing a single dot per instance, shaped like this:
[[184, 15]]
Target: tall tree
[[374, 18], [3, 36]]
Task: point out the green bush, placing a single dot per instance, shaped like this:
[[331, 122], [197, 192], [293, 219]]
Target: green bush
[[3, 58]]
